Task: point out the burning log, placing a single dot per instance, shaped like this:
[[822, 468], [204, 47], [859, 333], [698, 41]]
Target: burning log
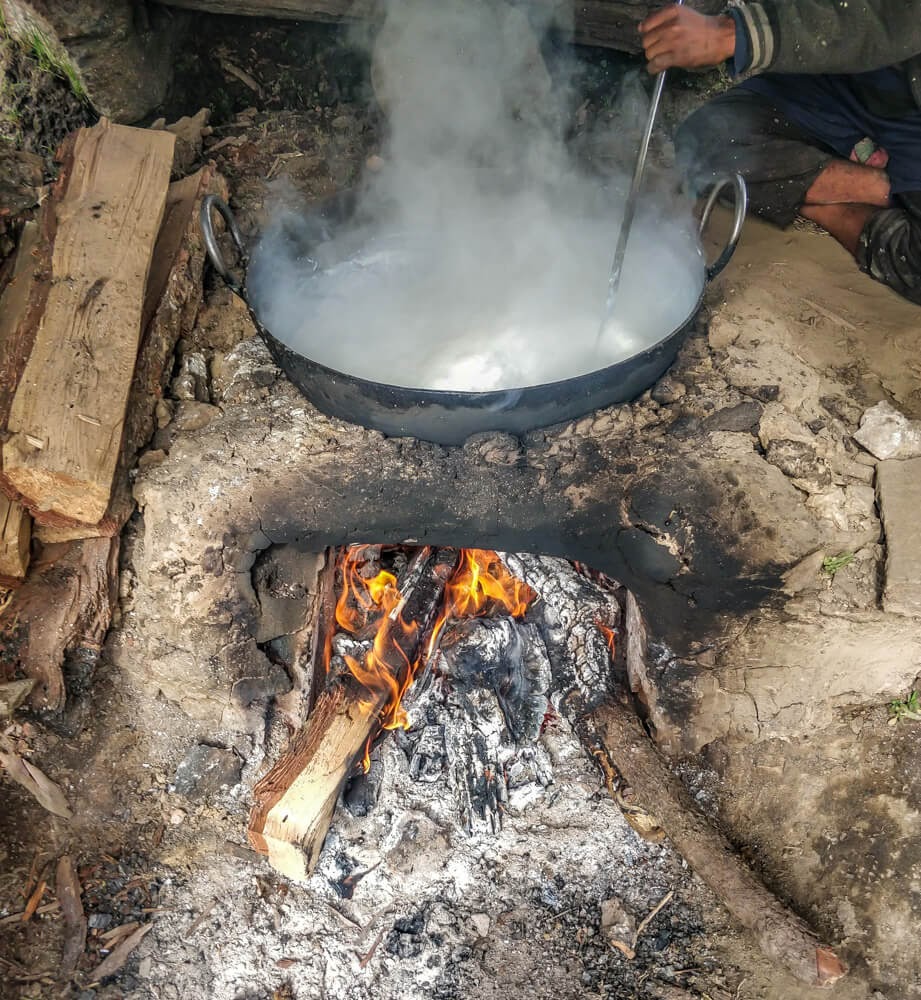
[[66, 415], [782, 935], [295, 800]]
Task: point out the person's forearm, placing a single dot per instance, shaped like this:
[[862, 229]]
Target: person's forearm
[[815, 36]]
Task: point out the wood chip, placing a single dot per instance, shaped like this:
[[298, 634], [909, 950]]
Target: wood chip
[[111, 937], [68, 890], [34, 900], [16, 918], [113, 962], [45, 791]]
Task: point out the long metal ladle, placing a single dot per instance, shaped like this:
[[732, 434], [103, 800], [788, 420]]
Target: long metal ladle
[[626, 223]]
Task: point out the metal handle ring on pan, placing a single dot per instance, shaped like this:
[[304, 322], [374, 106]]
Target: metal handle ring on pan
[[740, 206], [212, 203]]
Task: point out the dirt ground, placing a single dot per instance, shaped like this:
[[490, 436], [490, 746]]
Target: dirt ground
[[825, 807]]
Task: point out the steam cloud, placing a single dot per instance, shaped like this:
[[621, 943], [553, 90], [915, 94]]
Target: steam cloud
[[479, 256]]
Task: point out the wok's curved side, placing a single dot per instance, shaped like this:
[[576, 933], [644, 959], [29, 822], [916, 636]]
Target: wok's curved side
[[448, 417]]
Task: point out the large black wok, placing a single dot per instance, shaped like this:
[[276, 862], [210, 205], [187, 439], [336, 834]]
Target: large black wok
[[450, 417]]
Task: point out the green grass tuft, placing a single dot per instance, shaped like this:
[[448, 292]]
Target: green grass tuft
[[901, 709], [53, 61], [831, 564]]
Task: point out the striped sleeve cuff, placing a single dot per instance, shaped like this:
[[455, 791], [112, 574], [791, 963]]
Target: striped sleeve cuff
[[760, 34]]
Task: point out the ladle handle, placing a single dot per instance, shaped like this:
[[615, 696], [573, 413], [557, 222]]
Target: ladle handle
[[212, 203], [740, 204]]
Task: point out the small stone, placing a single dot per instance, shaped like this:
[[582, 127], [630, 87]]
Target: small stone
[[375, 163], [668, 390], [156, 456], [192, 415], [205, 770], [738, 418], [886, 433], [798, 460], [765, 393], [480, 923], [898, 492], [177, 817], [163, 413]]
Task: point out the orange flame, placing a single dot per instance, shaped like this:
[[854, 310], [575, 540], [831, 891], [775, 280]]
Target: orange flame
[[610, 636], [479, 584], [480, 578]]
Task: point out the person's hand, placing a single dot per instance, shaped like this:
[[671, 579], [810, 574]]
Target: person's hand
[[679, 36]]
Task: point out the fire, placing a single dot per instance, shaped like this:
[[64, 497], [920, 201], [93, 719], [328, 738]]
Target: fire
[[373, 605], [480, 578], [610, 636]]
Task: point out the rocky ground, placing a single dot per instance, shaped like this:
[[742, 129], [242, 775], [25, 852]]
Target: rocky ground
[[780, 730]]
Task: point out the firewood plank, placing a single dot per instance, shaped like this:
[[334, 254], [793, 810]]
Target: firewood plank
[[68, 412], [172, 301]]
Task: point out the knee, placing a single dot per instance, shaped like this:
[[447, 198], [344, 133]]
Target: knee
[[889, 250]]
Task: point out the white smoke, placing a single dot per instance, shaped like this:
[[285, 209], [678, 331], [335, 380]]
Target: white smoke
[[486, 263]]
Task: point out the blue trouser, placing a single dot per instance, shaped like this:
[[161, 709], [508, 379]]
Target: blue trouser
[[781, 131]]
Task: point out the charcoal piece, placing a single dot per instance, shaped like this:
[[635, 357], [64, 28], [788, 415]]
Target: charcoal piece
[[508, 658], [205, 770], [362, 791], [568, 617], [475, 756], [427, 756]]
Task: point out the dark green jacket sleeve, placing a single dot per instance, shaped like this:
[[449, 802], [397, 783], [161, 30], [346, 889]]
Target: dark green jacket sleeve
[[830, 36]]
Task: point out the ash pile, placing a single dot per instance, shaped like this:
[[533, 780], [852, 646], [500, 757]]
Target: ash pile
[[476, 845]]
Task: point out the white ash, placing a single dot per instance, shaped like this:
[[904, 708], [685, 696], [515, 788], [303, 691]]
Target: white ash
[[481, 871]]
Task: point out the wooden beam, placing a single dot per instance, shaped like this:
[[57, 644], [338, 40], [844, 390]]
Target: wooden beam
[[605, 23], [67, 414]]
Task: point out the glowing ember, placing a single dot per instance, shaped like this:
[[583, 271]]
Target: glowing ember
[[371, 604]]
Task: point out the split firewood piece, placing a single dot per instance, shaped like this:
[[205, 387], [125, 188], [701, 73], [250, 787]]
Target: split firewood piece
[[15, 537], [66, 417], [22, 304], [782, 935], [294, 802], [171, 303]]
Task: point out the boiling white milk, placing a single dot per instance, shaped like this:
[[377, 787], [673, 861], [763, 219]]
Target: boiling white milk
[[507, 296]]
